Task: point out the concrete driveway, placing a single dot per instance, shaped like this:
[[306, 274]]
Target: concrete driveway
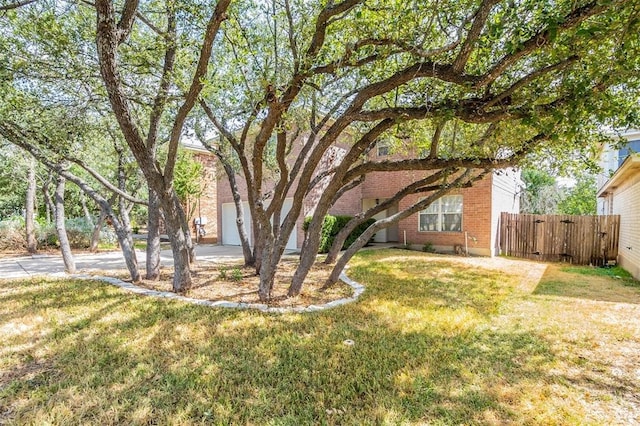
[[51, 264]]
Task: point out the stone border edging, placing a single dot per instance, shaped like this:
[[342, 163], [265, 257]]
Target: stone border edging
[[358, 289]]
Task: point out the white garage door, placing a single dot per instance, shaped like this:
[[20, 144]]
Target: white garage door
[[230, 234]]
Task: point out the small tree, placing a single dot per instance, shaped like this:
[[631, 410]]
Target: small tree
[[29, 211], [188, 180], [541, 193], [581, 198]]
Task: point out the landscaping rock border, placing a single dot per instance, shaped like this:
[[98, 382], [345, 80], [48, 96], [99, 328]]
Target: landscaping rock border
[[358, 289]]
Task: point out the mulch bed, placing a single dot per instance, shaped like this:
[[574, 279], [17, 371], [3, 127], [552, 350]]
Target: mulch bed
[[232, 282]]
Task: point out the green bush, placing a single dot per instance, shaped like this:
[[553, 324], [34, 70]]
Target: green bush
[[12, 236], [222, 273], [330, 228], [236, 275], [79, 233], [428, 247]]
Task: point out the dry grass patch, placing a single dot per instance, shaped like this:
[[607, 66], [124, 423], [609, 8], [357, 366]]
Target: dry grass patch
[[586, 282], [436, 341]]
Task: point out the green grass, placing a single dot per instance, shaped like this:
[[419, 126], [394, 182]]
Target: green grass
[[137, 244], [435, 343], [613, 272]]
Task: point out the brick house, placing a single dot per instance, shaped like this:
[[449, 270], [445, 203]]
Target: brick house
[[619, 193], [206, 207], [466, 217]]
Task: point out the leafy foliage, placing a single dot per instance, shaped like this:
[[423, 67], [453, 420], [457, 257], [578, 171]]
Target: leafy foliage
[[330, 228], [541, 193], [581, 198], [79, 232], [189, 176]]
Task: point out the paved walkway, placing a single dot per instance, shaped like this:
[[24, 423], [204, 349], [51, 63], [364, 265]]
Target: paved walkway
[[51, 264]]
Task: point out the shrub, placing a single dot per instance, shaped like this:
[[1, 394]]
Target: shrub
[[12, 234], [222, 273], [236, 275], [331, 225], [79, 232], [428, 247]]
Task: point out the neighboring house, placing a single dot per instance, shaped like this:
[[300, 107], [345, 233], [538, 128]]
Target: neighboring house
[[619, 193], [466, 217], [206, 207]]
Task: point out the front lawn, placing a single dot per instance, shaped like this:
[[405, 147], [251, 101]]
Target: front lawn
[[431, 341]]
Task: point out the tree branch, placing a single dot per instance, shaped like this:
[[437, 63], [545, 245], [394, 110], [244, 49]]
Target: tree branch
[[20, 138], [107, 40], [16, 4], [197, 83], [529, 78], [435, 140], [165, 81], [476, 29], [438, 163], [542, 38], [127, 19]]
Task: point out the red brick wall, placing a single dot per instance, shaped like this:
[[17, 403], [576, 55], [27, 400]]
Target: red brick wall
[[476, 222], [349, 203], [207, 206]]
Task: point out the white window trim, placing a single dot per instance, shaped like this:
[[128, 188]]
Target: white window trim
[[439, 201], [385, 145]]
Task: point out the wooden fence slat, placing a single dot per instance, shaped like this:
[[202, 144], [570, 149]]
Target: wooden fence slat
[[576, 239]]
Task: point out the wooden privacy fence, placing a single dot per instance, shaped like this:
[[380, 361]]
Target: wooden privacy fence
[[583, 240]]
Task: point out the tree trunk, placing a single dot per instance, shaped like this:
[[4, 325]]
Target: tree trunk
[[29, 222], [249, 257], [85, 210], [348, 254], [308, 254], [123, 233], [125, 239], [47, 200], [267, 270], [341, 237], [272, 249], [191, 248], [65, 248], [153, 237], [95, 236], [175, 224], [258, 247]]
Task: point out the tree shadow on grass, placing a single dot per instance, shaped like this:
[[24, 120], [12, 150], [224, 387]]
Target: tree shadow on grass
[[249, 368], [168, 362]]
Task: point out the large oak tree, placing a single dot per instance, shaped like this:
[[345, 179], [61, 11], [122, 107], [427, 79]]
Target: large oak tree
[[461, 88]]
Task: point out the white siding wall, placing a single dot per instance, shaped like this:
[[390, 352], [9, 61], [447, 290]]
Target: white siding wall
[[626, 203], [608, 164], [505, 197]]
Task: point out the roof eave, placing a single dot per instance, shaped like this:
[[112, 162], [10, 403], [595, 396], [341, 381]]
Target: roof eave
[[630, 165]]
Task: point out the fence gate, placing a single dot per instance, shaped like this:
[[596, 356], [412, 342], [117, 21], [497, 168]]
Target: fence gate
[[583, 240]]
